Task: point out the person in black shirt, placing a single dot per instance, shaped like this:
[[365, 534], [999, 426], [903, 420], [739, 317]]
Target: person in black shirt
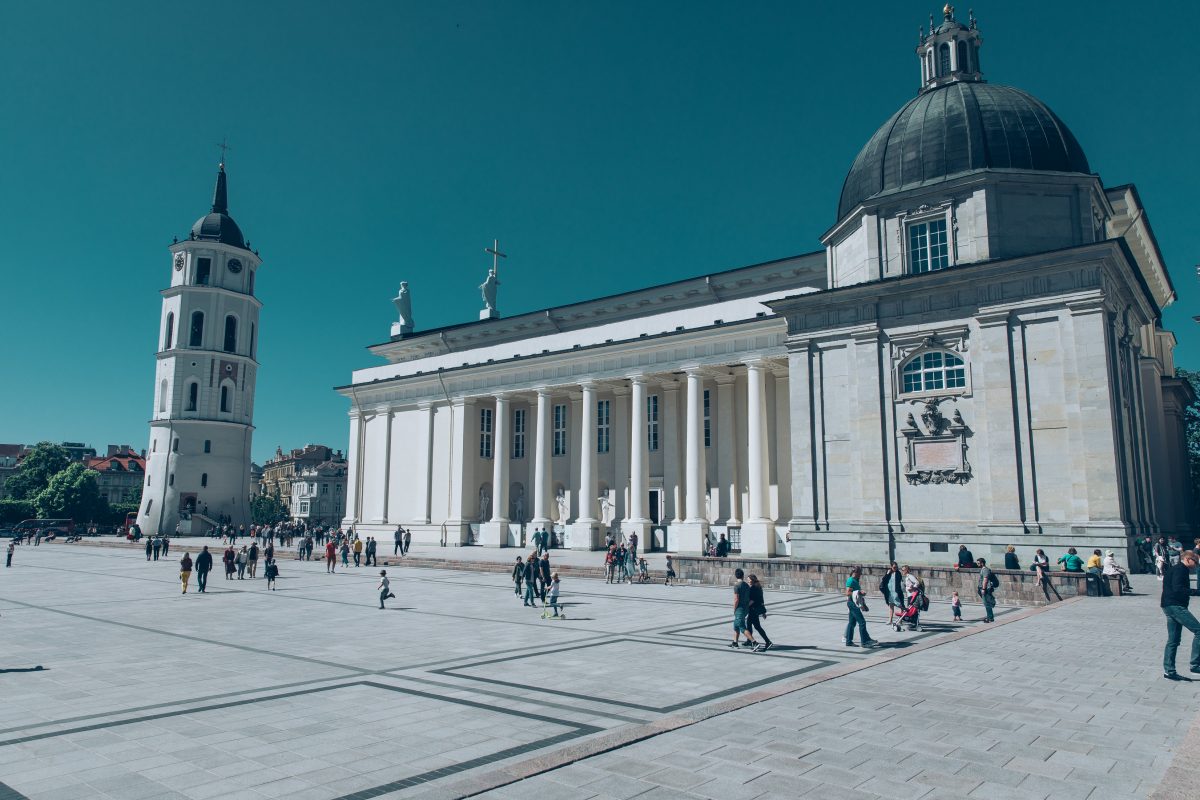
[[1176, 591], [204, 563], [965, 559]]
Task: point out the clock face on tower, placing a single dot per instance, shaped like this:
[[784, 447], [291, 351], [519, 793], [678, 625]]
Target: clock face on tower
[[235, 266], [179, 259]]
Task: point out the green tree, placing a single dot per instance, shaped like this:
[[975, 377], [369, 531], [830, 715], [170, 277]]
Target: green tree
[[267, 510], [1191, 422], [43, 462], [14, 511], [71, 494]]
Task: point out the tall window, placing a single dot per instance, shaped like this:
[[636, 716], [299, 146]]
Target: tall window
[[225, 398], [560, 430], [518, 442], [252, 340], [962, 57], [603, 425], [707, 419], [162, 397], [208, 445], [170, 331], [193, 396], [933, 371], [203, 267], [944, 59], [485, 433], [196, 336], [203, 480], [927, 247], [230, 333], [652, 422]]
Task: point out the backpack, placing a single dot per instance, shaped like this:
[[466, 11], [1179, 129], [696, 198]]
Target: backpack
[[993, 581]]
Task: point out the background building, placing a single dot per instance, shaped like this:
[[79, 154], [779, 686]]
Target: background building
[[282, 471], [10, 456], [122, 473], [319, 494], [975, 357], [202, 424]]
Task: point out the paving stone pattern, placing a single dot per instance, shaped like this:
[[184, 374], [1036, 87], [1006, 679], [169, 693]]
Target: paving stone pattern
[[311, 692]]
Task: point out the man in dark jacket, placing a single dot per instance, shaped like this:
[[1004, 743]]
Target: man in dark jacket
[[531, 576], [544, 575], [203, 567], [1176, 590], [965, 559]]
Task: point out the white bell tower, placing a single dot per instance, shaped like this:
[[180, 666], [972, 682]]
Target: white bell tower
[[198, 461]]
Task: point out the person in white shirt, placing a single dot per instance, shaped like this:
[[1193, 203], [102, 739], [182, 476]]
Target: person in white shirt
[[384, 587]]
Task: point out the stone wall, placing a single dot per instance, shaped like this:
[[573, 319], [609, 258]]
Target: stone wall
[[1016, 587]]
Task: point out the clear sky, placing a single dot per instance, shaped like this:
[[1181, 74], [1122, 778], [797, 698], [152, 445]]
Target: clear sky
[[608, 145]]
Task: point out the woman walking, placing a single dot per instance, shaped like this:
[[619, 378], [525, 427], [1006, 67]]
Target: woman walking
[[242, 557], [271, 570], [670, 570], [345, 553], [185, 570], [758, 610], [518, 574], [229, 558], [892, 589], [855, 605], [252, 560]]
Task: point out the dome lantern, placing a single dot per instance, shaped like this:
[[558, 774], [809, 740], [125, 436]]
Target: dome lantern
[[949, 52]]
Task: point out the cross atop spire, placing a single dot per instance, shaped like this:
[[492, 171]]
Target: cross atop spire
[[223, 147]]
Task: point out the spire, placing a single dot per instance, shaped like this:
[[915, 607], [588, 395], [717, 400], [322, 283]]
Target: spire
[[220, 197]]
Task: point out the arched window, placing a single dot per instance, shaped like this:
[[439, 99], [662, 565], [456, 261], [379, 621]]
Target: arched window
[[162, 397], [193, 395], [963, 64], [170, 331], [944, 59], [230, 333], [225, 399], [932, 371], [196, 336]]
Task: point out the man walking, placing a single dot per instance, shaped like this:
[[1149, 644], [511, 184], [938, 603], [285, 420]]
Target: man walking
[[157, 547], [407, 542], [633, 543], [987, 585], [204, 563], [531, 573], [399, 538], [1176, 591], [741, 607], [372, 546], [166, 543], [149, 547], [358, 549], [544, 575], [11, 546]]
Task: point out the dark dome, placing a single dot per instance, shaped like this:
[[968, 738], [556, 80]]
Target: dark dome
[[957, 128], [216, 227]]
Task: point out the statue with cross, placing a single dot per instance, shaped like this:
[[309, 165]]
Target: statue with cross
[[491, 282]]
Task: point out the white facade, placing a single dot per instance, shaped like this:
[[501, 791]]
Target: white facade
[[198, 461], [975, 358]]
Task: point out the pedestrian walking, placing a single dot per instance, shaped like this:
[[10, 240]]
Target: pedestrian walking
[[407, 542], [1176, 591], [11, 547], [518, 574], [204, 564], [384, 588], [987, 586], [856, 605], [531, 573], [555, 587], [149, 547], [399, 537], [633, 543], [358, 548], [372, 547], [670, 571], [741, 610], [185, 571], [242, 557], [892, 589], [166, 546], [157, 547], [252, 560], [956, 606], [229, 559], [544, 575], [610, 563], [345, 553], [756, 611]]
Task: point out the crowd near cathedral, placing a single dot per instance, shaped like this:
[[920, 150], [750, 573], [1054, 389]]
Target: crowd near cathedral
[[974, 355]]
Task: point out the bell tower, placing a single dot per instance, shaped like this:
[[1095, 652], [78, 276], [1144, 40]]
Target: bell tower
[[950, 51], [198, 461]]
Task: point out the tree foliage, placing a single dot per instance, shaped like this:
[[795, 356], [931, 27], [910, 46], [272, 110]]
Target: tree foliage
[[71, 494], [43, 462], [14, 511], [1191, 422], [267, 510]]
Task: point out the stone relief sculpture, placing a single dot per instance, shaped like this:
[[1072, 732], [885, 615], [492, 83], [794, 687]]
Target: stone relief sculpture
[[485, 503], [606, 508], [518, 505], [488, 289], [560, 500]]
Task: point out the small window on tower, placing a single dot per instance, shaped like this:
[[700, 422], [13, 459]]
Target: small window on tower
[[225, 399], [170, 331], [203, 479], [196, 336], [193, 395], [203, 268], [208, 445], [230, 333]]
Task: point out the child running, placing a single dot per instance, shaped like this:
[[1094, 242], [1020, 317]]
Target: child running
[[272, 572], [384, 588], [554, 589], [956, 607]]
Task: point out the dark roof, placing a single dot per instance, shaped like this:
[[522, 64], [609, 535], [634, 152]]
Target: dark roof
[[217, 225], [957, 128]]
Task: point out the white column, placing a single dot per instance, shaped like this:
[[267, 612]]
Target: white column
[[619, 446], [727, 456], [494, 533], [639, 455], [541, 461], [585, 531], [425, 474], [758, 531], [695, 469], [668, 424], [587, 456], [354, 477], [387, 461], [756, 456]]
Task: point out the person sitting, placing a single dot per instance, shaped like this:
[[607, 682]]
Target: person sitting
[[1094, 563], [1111, 567], [1071, 561], [965, 559], [1010, 558], [722, 547]]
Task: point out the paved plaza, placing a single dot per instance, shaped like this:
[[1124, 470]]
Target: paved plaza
[[457, 690]]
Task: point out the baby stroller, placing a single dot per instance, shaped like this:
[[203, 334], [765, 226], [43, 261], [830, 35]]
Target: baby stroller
[[910, 617]]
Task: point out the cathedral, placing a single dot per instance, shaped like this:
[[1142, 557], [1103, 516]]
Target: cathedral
[[975, 356]]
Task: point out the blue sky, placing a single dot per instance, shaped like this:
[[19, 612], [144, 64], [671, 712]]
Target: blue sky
[[607, 145]]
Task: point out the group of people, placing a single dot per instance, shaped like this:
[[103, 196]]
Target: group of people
[[156, 546], [234, 561], [540, 582], [1098, 563], [621, 563]]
